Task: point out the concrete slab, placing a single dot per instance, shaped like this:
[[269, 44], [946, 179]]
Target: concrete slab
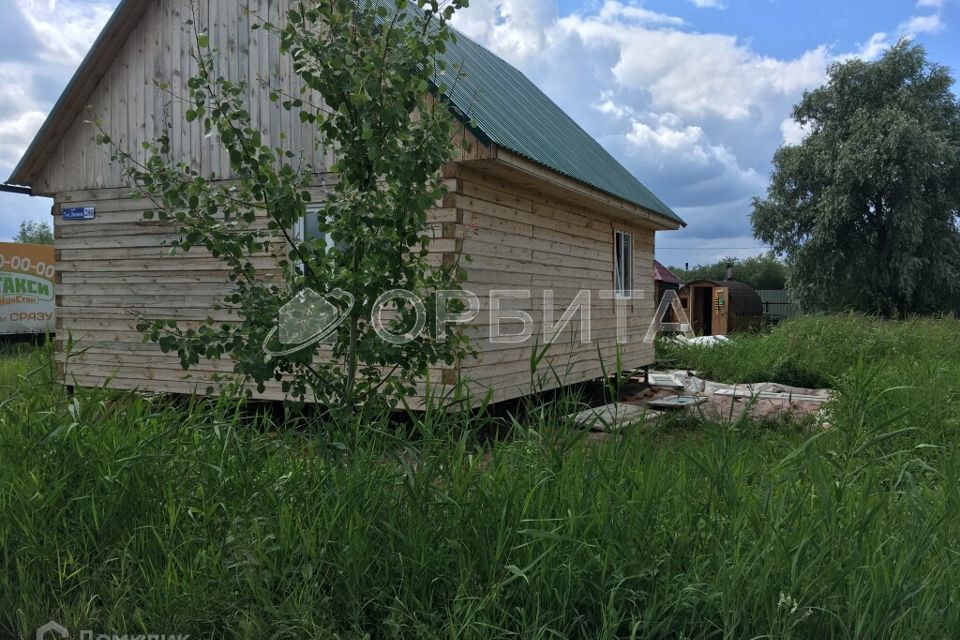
[[614, 417], [666, 380]]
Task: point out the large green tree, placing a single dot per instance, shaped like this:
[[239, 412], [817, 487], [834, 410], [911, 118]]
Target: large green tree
[[866, 207]]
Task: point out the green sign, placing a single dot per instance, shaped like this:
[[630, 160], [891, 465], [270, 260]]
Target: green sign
[[21, 284]]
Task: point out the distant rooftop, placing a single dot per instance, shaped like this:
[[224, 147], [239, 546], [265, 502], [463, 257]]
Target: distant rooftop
[[662, 274]]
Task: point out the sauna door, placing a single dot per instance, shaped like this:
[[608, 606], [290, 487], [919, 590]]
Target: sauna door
[[721, 311]]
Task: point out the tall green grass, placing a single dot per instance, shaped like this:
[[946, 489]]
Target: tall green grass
[[813, 351], [128, 515]]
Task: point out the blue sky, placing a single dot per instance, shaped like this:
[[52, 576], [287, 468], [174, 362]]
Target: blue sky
[[693, 96]]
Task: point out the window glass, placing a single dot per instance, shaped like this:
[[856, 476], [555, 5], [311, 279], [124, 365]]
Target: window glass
[[309, 228], [623, 267]]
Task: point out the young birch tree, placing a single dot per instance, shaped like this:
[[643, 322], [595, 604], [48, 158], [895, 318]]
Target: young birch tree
[[369, 72]]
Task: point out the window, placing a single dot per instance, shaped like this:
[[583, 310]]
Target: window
[[623, 264], [309, 227]]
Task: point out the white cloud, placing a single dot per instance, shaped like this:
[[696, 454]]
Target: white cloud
[[872, 48], [666, 148], [20, 113], [929, 23], [613, 10], [516, 26], [685, 142], [932, 23], [16, 132], [17, 88], [609, 107], [793, 132], [680, 161], [65, 28], [692, 74], [521, 30], [709, 4]]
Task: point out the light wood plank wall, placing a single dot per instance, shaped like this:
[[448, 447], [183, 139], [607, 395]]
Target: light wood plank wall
[[521, 238], [116, 268]]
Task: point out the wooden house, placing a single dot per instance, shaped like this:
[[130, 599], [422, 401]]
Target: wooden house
[[533, 199], [664, 280]]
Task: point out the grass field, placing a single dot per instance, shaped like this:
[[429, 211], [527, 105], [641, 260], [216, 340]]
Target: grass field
[[126, 515]]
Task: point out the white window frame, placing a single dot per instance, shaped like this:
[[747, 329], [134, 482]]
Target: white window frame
[[300, 229], [623, 264]]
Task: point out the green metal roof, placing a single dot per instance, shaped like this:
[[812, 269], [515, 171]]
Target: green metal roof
[[509, 110]]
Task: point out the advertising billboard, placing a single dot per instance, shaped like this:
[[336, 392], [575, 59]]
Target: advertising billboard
[[26, 288]]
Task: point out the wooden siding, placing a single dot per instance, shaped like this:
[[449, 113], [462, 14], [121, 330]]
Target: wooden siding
[[525, 237], [115, 268]]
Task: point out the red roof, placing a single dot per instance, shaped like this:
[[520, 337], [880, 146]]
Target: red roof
[[662, 274]]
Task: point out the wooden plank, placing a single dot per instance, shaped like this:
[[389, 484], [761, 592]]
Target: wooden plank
[[181, 262], [172, 314], [141, 302]]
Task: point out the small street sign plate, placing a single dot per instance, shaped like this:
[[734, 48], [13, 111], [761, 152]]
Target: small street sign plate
[[79, 213]]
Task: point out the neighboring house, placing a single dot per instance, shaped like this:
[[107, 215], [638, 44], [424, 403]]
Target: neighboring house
[[664, 280], [533, 199]]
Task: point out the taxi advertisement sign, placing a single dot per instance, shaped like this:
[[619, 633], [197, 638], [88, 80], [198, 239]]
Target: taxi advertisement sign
[[26, 288]]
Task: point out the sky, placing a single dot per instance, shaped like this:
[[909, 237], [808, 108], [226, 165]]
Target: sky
[[692, 96]]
